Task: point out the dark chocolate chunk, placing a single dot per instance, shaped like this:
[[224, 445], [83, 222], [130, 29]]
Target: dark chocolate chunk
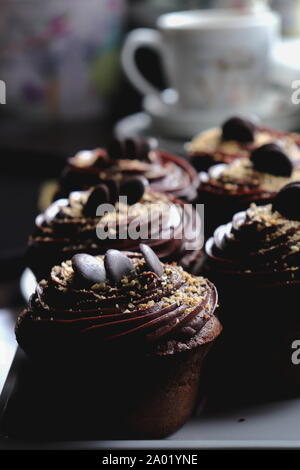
[[99, 195], [117, 265], [145, 147], [123, 148], [88, 270], [270, 158], [116, 149], [134, 189], [202, 162], [113, 189], [286, 201], [238, 129], [130, 148], [138, 148], [152, 261]]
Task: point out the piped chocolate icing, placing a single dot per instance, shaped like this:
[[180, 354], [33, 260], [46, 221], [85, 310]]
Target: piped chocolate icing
[[166, 173], [260, 246], [242, 179], [71, 226], [238, 138], [166, 313]]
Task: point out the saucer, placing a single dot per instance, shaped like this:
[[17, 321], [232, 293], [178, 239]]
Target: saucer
[[141, 125], [274, 109]]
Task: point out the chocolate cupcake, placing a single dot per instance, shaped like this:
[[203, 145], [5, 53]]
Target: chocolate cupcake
[[228, 188], [165, 172], [130, 332], [71, 225], [255, 263], [237, 138]]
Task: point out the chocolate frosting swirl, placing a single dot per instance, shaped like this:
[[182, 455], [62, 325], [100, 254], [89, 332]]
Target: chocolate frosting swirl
[[165, 172], [260, 246], [229, 188], [208, 148], [239, 180], [167, 313], [62, 230]]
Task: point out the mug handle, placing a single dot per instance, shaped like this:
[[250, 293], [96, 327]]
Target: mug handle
[[137, 38]]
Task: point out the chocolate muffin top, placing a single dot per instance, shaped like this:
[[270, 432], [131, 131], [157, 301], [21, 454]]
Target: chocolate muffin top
[[237, 138], [73, 225], [250, 179], [119, 300], [165, 172], [261, 245]]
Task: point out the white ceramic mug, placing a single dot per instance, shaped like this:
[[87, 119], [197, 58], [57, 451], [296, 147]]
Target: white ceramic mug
[[212, 58]]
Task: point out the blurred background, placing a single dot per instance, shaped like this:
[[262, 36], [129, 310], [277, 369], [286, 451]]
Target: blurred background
[[66, 90], [74, 73]]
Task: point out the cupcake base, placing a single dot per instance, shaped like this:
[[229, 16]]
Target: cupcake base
[[116, 396]]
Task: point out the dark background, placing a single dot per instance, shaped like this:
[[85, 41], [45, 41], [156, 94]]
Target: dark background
[[32, 152]]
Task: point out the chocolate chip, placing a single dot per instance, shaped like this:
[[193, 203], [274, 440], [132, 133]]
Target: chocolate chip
[[115, 149], [123, 148], [130, 148], [202, 162], [137, 148], [286, 201], [270, 158], [113, 189], [152, 261], [88, 270], [145, 147], [117, 265], [134, 189], [99, 195], [240, 130]]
